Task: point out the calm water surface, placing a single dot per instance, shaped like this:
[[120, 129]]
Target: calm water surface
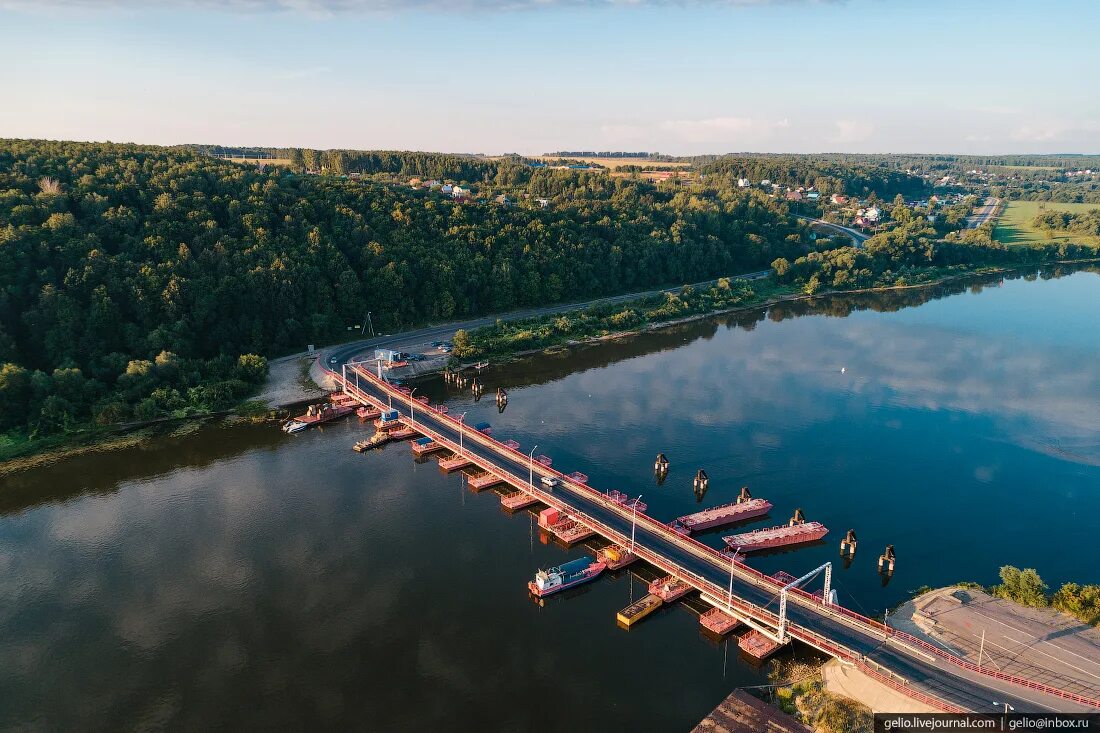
[[237, 578]]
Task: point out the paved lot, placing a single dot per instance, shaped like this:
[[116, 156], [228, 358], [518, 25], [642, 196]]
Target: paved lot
[[1039, 644]]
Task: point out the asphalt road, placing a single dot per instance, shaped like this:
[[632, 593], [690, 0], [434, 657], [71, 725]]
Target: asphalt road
[[983, 214], [921, 671], [858, 237]]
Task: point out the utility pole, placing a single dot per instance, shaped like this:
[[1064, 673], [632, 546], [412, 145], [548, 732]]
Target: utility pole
[[531, 460]]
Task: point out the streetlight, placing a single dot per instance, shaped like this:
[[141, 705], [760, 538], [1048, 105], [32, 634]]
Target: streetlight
[[531, 458], [634, 523], [733, 561], [1007, 707], [461, 421], [412, 406]]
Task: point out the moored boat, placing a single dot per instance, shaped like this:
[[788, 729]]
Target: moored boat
[[669, 588], [769, 537], [379, 438], [567, 575], [735, 511], [337, 406], [718, 621], [615, 556], [638, 610]]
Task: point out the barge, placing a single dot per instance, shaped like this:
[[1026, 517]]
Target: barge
[[735, 511], [424, 446], [368, 413], [453, 463], [570, 574], [336, 407], [638, 610], [483, 480], [374, 441], [669, 588], [718, 622], [615, 556], [517, 500], [757, 645], [781, 536]]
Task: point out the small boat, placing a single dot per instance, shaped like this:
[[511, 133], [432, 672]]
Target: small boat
[[484, 427], [573, 573], [638, 610], [294, 426], [368, 413]]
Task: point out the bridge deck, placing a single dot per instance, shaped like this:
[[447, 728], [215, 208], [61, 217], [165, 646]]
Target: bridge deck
[[922, 672]]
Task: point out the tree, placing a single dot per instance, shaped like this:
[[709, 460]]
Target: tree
[[1022, 586], [461, 343]]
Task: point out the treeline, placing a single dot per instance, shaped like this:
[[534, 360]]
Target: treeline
[[910, 254], [1087, 192], [1086, 222], [149, 272], [827, 176], [1027, 588]]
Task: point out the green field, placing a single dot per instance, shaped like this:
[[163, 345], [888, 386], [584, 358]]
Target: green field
[[1014, 225]]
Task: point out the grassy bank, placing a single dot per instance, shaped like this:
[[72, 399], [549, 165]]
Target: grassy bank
[[508, 339], [1016, 225]]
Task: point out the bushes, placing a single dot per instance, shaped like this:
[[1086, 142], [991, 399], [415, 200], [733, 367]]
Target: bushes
[[1027, 588], [1022, 586]]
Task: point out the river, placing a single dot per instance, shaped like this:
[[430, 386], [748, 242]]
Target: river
[[234, 578]]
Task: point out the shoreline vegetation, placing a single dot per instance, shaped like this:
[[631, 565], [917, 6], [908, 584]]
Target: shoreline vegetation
[[508, 340], [727, 296]]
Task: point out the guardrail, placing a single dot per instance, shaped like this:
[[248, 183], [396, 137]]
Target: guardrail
[[709, 553]]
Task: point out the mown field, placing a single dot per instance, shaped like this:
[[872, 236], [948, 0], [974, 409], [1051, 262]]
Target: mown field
[[1014, 225]]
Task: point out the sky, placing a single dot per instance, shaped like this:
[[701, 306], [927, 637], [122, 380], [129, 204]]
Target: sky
[[534, 76]]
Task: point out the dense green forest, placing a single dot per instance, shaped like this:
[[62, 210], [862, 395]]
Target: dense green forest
[[139, 281]]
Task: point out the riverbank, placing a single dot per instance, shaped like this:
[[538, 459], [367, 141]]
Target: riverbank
[[483, 345], [23, 455], [291, 382]]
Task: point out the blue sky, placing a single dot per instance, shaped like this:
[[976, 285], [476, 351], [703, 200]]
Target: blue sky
[[532, 76]]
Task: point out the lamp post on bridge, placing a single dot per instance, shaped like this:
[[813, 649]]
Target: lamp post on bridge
[[461, 423], [733, 564], [412, 406], [531, 463], [634, 523], [1006, 706]]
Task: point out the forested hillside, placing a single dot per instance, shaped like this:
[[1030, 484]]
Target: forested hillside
[[136, 281]]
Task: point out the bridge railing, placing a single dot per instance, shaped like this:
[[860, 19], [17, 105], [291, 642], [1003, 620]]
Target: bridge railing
[[707, 552]]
